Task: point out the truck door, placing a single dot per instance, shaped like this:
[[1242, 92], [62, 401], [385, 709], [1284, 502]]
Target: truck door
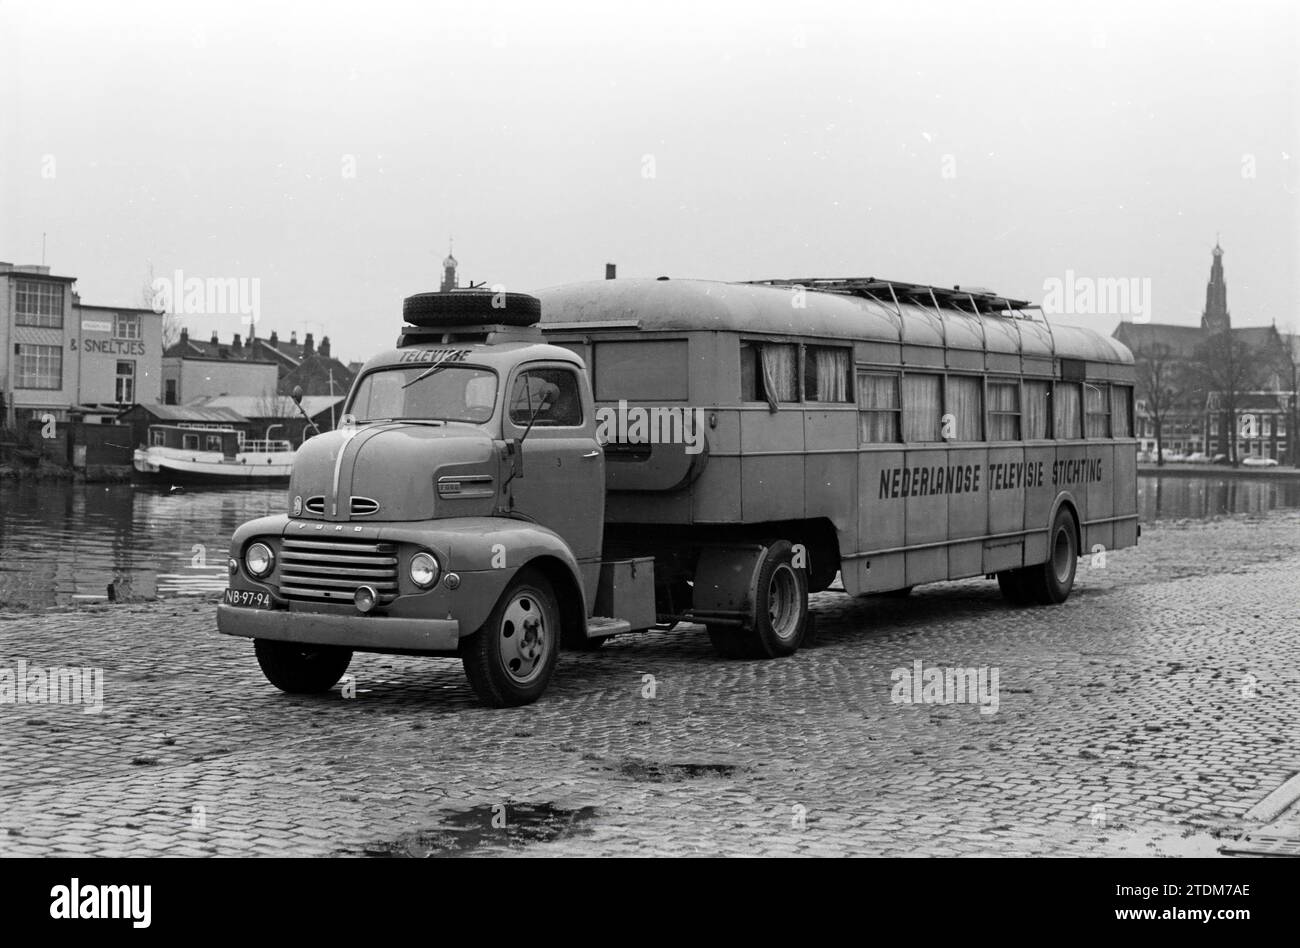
[[563, 482]]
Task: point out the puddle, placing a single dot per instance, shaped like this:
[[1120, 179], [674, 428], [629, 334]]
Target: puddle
[[649, 771], [509, 826]]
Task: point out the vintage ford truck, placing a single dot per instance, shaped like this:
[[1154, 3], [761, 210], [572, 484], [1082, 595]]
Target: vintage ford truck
[[523, 473]]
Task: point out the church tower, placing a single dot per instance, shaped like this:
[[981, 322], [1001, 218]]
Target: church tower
[[448, 272], [1215, 317]]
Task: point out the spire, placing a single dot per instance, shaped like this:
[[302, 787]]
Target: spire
[[1215, 318], [448, 270]]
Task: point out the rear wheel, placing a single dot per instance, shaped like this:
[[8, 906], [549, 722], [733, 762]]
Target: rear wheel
[[780, 609], [301, 669], [510, 659], [1050, 583]]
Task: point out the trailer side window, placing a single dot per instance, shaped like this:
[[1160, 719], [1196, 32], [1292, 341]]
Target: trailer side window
[[878, 408], [826, 374], [922, 406], [1004, 410], [1096, 401], [1121, 411], [640, 371], [963, 403], [769, 372], [1067, 417], [1035, 410]]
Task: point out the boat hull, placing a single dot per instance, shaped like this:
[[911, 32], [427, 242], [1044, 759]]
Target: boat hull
[[152, 467]]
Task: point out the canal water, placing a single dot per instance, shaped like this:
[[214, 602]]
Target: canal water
[[61, 544]]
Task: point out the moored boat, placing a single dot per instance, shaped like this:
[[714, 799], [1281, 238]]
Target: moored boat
[[193, 454]]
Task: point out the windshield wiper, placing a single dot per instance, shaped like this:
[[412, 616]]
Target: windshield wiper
[[436, 367]]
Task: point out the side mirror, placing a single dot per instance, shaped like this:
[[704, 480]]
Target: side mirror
[[297, 395]]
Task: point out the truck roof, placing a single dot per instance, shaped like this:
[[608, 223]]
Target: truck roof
[[866, 310]]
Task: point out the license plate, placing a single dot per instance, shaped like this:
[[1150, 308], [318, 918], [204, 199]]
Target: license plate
[[247, 599]]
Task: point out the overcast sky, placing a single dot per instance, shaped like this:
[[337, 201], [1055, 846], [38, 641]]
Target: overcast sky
[[998, 145]]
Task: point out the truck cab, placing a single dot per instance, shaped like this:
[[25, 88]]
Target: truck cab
[[458, 510]]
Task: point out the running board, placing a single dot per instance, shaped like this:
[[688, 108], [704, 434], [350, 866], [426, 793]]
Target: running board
[[599, 627]]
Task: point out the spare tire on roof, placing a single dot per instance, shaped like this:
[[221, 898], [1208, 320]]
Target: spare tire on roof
[[471, 307]]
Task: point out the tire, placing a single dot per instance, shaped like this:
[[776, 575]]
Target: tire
[[502, 673], [1050, 583], [781, 612], [301, 669], [471, 307]]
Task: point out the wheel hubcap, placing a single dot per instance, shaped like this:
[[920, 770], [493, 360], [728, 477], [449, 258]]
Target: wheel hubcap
[[524, 638], [783, 602]]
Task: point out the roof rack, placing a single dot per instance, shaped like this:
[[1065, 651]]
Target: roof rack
[[983, 302]]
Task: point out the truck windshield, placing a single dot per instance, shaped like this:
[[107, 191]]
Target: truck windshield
[[453, 393]]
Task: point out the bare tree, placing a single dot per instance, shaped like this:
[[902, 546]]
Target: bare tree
[[1163, 383], [1227, 368]]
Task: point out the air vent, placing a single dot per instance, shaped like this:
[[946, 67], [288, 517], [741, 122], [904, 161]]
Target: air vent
[[364, 506], [315, 504]]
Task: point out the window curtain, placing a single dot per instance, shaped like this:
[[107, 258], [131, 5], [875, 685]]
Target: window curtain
[[879, 415], [922, 407], [828, 374], [964, 404], [780, 374], [1035, 410], [1120, 398], [1067, 415], [1096, 400], [1004, 411]]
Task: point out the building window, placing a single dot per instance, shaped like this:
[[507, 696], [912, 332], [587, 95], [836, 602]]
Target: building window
[[964, 403], [125, 389], [39, 367], [1067, 418], [157, 437], [38, 304], [1121, 400], [922, 407], [169, 392], [1004, 411], [126, 326], [878, 409], [213, 443], [190, 442], [826, 374]]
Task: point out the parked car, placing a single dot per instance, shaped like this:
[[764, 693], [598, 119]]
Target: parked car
[[1259, 462], [1219, 459], [1198, 457], [1171, 456]]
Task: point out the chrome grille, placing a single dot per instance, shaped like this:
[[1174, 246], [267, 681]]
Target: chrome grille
[[333, 570], [364, 506], [315, 504]]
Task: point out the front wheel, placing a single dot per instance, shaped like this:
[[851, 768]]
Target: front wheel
[[510, 659], [301, 669]]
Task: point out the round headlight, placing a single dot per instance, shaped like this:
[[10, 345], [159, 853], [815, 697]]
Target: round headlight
[[424, 570], [259, 559]]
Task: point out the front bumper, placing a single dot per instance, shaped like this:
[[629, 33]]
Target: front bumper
[[367, 633]]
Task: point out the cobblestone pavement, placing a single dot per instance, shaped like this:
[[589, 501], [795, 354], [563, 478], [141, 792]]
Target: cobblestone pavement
[[1144, 716]]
